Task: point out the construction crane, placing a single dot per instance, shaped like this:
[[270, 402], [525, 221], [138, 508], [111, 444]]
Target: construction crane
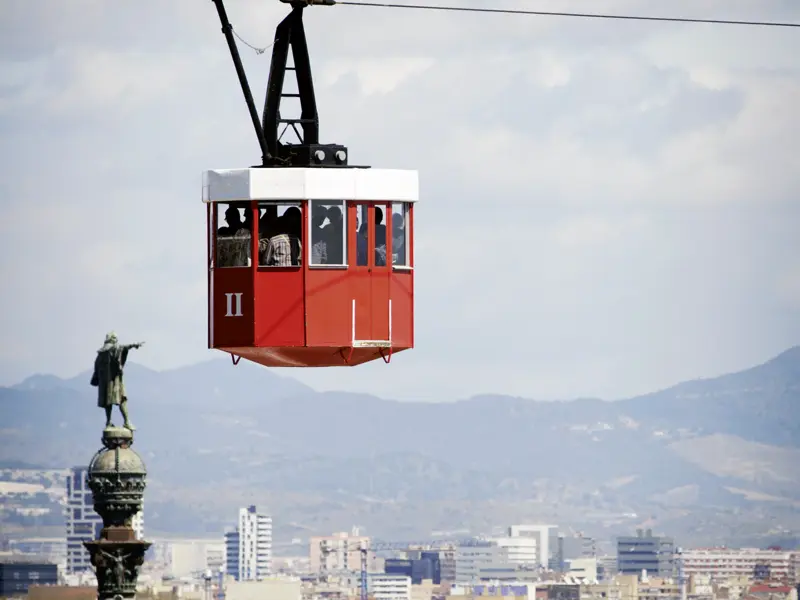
[[364, 548], [327, 548], [220, 595]]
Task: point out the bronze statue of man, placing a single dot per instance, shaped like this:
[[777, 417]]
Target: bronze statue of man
[[107, 378]]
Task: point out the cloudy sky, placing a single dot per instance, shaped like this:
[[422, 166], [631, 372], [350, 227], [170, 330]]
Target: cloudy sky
[[607, 207]]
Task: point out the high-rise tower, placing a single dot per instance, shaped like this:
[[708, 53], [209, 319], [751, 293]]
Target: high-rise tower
[[248, 549]]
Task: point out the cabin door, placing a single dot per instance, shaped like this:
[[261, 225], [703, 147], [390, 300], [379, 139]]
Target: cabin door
[[381, 257], [371, 308]]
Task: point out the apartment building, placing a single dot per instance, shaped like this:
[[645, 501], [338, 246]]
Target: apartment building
[[390, 587], [794, 567], [523, 551], [541, 534], [471, 560], [582, 569], [646, 553], [338, 552], [565, 548], [188, 557], [248, 548], [723, 563], [658, 588]]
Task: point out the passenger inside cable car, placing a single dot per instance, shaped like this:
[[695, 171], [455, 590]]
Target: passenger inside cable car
[[380, 238], [398, 239], [233, 238], [283, 248], [327, 233], [280, 235]]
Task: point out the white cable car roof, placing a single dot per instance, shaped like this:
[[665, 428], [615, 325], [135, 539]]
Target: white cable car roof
[[278, 183]]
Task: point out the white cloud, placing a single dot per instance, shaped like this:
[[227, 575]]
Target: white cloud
[[589, 230], [377, 76], [607, 207], [788, 288]]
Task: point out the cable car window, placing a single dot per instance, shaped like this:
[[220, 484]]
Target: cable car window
[[361, 234], [233, 239], [380, 234], [400, 235], [327, 234], [280, 226]]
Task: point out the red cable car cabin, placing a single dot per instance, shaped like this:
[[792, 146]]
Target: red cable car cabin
[[332, 281]]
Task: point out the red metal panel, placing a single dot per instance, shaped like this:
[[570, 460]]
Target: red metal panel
[[402, 292], [279, 299], [361, 303], [280, 309], [232, 307], [380, 304], [329, 307]]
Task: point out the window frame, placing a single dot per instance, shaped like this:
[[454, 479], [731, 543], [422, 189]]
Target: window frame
[[362, 211], [342, 205], [386, 207], [215, 262], [406, 213], [300, 204]]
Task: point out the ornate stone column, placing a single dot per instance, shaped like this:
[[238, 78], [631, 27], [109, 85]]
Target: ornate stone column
[[117, 479]]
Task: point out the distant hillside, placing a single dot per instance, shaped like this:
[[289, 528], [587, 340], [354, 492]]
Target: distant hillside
[[759, 404], [216, 436]]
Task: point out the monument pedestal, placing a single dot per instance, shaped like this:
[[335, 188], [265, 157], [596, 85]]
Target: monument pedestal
[[117, 566], [117, 478]]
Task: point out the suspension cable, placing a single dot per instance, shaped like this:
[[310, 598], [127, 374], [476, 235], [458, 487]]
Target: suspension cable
[[543, 13]]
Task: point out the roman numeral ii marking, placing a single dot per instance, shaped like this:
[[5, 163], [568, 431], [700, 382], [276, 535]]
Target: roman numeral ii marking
[[233, 311]]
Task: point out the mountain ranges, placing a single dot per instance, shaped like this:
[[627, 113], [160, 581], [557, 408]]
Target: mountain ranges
[[710, 461]]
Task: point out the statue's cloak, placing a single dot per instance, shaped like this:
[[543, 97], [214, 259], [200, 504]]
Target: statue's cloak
[[107, 376]]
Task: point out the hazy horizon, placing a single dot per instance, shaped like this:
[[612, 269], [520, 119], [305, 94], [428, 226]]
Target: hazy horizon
[[286, 373]]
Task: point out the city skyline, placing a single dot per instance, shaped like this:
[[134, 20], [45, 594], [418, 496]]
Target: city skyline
[[640, 554]]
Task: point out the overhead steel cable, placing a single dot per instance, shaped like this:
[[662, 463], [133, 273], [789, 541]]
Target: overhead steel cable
[[545, 13]]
